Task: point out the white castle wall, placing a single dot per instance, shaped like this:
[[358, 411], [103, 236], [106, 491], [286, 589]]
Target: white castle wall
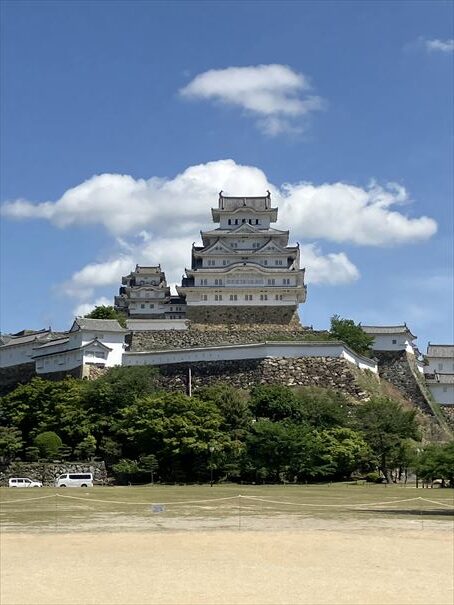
[[252, 351]]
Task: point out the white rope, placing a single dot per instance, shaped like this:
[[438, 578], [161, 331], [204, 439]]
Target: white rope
[[21, 500], [146, 503], [362, 504], [440, 503], [239, 496]]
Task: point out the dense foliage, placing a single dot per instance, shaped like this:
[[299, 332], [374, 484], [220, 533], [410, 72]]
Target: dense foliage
[[271, 434], [107, 312], [352, 334]]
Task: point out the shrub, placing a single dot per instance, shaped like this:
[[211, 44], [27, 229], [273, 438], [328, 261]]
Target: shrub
[[48, 444]]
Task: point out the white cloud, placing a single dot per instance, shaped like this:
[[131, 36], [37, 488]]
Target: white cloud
[[331, 269], [156, 220], [436, 45], [277, 94], [85, 308], [83, 283]]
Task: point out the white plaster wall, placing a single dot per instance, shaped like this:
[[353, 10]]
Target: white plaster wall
[[442, 393], [238, 352], [60, 362], [16, 354], [384, 342], [145, 325], [441, 365]]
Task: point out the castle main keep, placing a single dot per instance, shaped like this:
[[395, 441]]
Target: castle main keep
[[245, 271]]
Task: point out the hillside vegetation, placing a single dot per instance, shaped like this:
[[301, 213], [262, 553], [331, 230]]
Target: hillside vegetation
[[272, 433]]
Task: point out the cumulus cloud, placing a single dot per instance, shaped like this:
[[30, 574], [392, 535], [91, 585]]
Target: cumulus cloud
[[83, 283], [436, 45], [276, 94], [332, 269], [156, 220], [85, 308]]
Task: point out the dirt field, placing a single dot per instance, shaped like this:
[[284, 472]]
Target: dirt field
[[310, 567], [270, 545]]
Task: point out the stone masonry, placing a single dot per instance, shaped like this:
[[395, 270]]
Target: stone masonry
[[205, 335], [323, 372], [248, 315]]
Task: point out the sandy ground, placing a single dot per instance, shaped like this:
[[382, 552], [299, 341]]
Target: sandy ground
[[281, 567]]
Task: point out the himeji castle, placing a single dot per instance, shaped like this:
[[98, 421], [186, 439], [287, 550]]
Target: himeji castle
[[245, 271], [146, 295]]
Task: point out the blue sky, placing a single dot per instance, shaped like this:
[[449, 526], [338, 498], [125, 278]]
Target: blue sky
[[344, 111]]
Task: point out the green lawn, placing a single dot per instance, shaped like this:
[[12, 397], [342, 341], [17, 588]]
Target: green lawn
[[218, 507]]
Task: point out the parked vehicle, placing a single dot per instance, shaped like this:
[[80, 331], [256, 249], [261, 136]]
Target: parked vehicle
[[23, 482], [75, 480]]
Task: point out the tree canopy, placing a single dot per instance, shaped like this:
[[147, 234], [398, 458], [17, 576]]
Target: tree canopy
[[352, 334], [272, 433]]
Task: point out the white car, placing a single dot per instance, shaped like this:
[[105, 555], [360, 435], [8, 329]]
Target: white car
[[23, 482]]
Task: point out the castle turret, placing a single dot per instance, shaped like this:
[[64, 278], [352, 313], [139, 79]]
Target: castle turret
[[146, 295]]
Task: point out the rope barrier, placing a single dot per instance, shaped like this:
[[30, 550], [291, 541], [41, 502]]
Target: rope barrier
[[238, 497], [147, 503], [21, 500]]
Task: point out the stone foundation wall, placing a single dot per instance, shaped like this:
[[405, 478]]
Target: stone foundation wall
[[242, 315], [448, 413], [395, 367], [211, 335], [324, 372], [47, 472], [15, 375]]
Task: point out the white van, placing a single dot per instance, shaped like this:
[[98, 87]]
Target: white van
[[74, 480], [23, 482]]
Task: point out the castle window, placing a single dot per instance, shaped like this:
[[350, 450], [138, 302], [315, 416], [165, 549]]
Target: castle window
[[263, 297], [243, 220], [286, 282], [440, 366], [248, 297], [142, 306], [278, 262], [236, 221], [233, 297], [224, 262], [151, 306], [271, 282], [218, 297], [218, 282], [394, 341], [257, 221], [230, 221], [250, 221], [204, 297], [265, 262]]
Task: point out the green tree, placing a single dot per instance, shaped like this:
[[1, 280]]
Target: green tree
[[177, 429], [48, 444], [107, 312], [436, 461], [149, 464], [352, 334], [233, 404], [86, 448], [386, 425], [322, 408], [274, 402], [45, 405], [347, 450], [10, 443], [126, 469]]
